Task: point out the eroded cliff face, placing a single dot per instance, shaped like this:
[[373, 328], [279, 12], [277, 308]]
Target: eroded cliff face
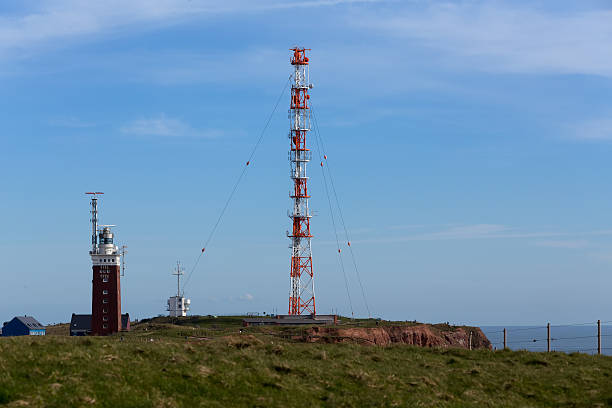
[[421, 335]]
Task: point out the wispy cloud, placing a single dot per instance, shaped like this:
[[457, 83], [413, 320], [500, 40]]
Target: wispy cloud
[[55, 22], [71, 122], [567, 244], [553, 239], [477, 231], [505, 37], [604, 256], [180, 67], [164, 126], [247, 297], [595, 129]]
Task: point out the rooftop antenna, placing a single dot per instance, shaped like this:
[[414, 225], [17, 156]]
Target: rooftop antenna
[[94, 219], [123, 252], [178, 305], [178, 272]]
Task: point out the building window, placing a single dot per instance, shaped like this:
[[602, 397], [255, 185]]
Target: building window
[[104, 300], [105, 326], [105, 279], [105, 292], [105, 318], [104, 310]]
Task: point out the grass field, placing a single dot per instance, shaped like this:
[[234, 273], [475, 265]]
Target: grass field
[[207, 362]]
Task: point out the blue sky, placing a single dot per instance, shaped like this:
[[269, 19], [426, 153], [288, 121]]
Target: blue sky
[[469, 143]]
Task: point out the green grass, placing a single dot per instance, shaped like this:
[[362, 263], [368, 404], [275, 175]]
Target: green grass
[[156, 366]]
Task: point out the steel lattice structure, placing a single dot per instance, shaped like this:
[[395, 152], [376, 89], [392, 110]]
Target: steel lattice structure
[[302, 295]]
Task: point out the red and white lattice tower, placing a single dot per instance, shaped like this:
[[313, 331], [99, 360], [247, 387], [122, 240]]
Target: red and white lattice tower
[[302, 295]]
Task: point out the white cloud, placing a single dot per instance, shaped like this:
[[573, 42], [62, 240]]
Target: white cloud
[[595, 129], [166, 127], [71, 122], [552, 239], [247, 297], [474, 35], [466, 232], [504, 37], [462, 232], [475, 231], [54, 22], [566, 244], [601, 256], [180, 67]]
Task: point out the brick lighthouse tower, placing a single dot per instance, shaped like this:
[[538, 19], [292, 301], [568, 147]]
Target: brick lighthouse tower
[[106, 288]]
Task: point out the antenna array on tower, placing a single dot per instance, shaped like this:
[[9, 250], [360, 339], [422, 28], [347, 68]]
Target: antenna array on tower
[[301, 296]]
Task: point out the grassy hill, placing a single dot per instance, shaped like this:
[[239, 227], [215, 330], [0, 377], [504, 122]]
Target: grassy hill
[[207, 362]]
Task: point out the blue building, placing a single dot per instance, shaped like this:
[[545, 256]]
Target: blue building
[[23, 326]]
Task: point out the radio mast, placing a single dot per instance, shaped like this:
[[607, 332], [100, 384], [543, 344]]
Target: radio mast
[[301, 295]]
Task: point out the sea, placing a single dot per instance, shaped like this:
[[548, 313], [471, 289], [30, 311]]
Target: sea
[[580, 338]]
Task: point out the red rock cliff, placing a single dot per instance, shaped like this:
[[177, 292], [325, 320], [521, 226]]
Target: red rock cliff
[[421, 335]]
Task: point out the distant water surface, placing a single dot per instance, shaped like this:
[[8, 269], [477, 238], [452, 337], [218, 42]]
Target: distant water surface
[[566, 338]]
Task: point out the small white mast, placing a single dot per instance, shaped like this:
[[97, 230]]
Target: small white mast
[[179, 271], [178, 305]]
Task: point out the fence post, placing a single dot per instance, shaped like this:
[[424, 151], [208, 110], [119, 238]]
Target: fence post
[[505, 343], [548, 330], [470, 340], [598, 336]]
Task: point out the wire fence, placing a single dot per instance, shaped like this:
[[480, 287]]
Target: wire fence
[[588, 337]]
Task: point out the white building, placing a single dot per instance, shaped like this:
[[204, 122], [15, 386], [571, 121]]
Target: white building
[[178, 305]]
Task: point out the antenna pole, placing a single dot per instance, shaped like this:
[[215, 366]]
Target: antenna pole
[[123, 252], [179, 271], [94, 220], [94, 223]]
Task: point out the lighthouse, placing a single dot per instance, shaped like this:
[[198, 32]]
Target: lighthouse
[[106, 286]]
